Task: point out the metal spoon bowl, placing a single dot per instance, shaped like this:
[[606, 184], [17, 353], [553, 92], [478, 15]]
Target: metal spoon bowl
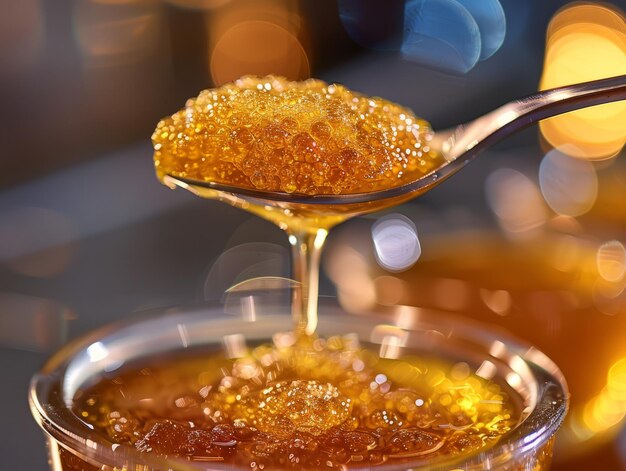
[[458, 146]]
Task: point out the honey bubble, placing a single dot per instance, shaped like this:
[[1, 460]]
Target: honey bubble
[[303, 405], [246, 133]]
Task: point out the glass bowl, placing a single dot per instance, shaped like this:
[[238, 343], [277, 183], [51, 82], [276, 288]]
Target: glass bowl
[[533, 378]]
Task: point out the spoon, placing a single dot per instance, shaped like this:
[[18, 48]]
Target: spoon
[[308, 218], [458, 146]]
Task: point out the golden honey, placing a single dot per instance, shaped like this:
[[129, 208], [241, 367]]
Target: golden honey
[[317, 404], [295, 137]]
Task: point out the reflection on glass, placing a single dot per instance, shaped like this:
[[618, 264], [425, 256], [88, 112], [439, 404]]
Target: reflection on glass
[[245, 262]]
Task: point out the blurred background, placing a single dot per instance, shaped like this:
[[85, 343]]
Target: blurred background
[[529, 238]]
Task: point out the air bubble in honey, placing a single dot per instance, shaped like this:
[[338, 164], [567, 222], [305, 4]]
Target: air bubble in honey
[[296, 137]]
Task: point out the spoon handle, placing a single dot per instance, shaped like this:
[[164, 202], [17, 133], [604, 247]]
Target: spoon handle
[[469, 139]]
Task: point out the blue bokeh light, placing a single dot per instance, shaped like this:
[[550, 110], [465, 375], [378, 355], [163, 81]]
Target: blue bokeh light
[[449, 35], [441, 34], [491, 21]]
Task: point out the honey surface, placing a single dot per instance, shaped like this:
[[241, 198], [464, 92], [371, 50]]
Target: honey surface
[[318, 404], [295, 137]]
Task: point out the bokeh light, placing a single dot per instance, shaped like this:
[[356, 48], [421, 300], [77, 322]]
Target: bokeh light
[[491, 21], [389, 290], [499, 301], [617, 380], [258, 48], [391, 340], [448, 35], [569, 185], [441, 34], [257, 38], [516, 201], [611, 260], [396, 243], [586, 42], [348, 269], [566, 254], [607, 409], [452, 35], [450, 294]]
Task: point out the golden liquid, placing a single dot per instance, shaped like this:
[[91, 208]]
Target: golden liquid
[[321, 404], [296, 137], [314, 403]]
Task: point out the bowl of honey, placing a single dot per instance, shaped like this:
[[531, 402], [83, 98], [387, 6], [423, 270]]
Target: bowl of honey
[[201, 388]]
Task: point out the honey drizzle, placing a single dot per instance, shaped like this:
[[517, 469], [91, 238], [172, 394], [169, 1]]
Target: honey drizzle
[[296, 137]]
